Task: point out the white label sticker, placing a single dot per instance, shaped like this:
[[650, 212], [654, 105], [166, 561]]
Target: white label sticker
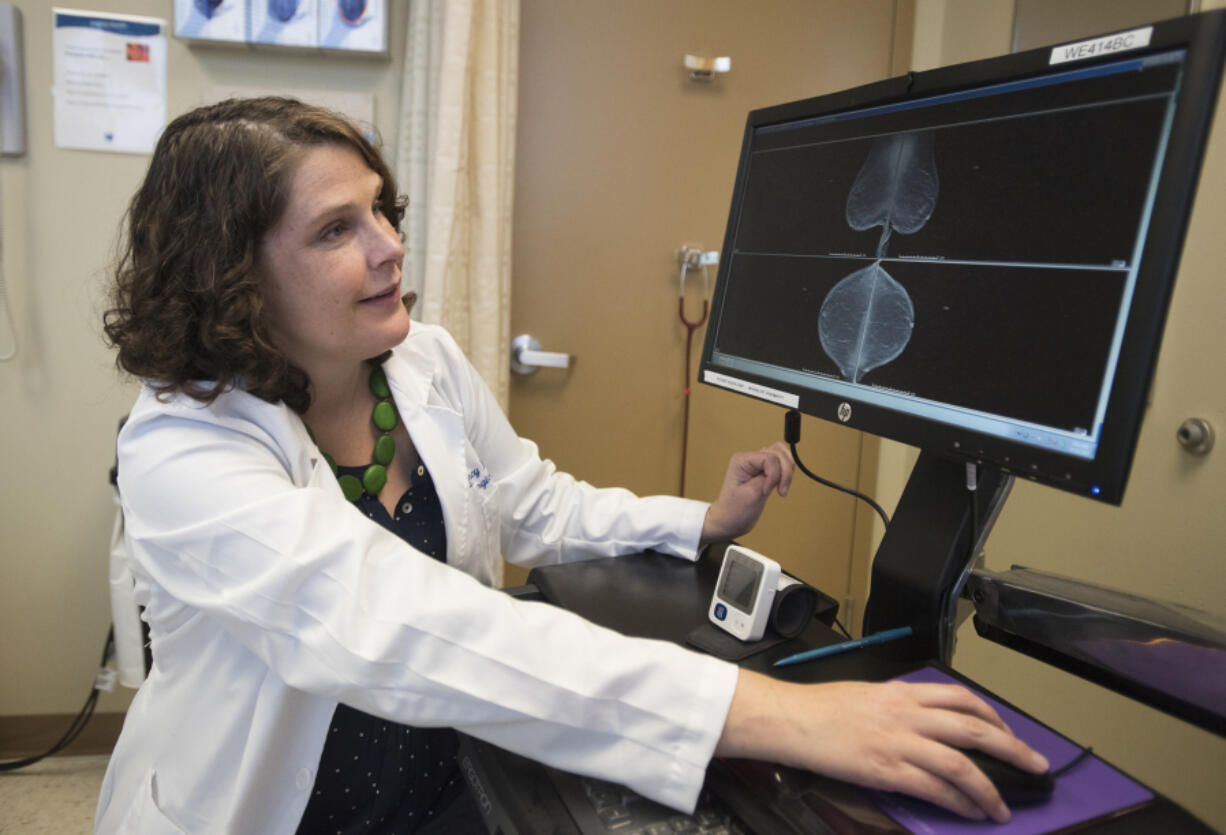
[[783, 398], [1120, 42]]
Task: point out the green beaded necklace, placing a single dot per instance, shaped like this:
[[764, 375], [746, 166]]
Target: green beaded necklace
[[385, 419]]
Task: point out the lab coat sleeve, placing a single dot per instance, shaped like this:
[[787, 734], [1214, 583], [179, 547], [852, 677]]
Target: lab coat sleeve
[[548, 516], [338, 607]]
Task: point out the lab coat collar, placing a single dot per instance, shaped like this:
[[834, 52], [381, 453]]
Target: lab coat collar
[[437, 433], [410, 370]]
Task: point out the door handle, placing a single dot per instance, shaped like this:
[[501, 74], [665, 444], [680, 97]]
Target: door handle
[[527, 356]]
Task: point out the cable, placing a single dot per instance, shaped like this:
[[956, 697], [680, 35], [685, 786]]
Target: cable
[[8, 315], [8, 318], [791, 434], [880, 511], [1069, 766], [78, 724]]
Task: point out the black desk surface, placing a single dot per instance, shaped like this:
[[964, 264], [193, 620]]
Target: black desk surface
[[617, 592]]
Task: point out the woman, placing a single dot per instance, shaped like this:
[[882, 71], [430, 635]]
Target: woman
[[308, 664]]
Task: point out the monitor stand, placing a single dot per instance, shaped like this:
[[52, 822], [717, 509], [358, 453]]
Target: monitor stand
[[925, 557]]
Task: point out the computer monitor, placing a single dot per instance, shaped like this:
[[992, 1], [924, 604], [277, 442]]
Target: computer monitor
[[975, 260]]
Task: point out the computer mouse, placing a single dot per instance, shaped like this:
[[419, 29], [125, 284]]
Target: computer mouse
[[1016, 787]]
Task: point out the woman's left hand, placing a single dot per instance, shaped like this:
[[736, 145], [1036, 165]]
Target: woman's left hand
[[750, 479]]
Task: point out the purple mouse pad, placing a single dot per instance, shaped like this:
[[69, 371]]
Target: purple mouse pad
[[1090, 790]]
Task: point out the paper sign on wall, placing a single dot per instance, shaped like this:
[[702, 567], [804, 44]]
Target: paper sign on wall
[[109, 80]]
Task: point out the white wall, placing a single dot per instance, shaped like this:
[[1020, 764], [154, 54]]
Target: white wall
[[60, 400]]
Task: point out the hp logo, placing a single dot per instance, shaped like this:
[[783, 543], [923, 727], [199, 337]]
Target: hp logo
[[844, 411]]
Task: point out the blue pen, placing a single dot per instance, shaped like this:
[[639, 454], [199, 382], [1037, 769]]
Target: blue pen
[[834, 649]]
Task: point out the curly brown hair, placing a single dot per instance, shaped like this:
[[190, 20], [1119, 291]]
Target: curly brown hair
[[187, 307]]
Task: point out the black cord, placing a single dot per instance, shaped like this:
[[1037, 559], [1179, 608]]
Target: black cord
[[842, 629], [1069, 766], [791, 434], [78, 724]]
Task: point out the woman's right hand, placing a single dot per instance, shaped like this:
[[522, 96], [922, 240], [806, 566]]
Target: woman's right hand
[[893, 736]]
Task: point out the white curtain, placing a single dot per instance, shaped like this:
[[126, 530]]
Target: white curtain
[[456, 161]]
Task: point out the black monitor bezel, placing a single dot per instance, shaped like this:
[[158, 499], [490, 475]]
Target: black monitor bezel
[[1104, 478]]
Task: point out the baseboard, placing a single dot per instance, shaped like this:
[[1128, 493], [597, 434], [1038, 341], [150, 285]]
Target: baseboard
[[25, 736]]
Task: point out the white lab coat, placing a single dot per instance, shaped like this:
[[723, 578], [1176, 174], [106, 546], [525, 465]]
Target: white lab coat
[[270, 599]]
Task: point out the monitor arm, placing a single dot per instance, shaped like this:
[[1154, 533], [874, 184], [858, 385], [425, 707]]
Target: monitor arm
[[1167, 655], [923, 562], [928, 570]]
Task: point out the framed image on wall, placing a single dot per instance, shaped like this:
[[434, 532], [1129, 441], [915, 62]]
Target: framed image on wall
[[212, 20], [285, 22], [355, 25]]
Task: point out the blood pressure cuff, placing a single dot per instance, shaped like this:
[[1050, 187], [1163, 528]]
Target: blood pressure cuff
[[795, 604]]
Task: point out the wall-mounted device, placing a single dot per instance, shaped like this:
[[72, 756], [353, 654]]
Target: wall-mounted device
[[703, 68], [12, 82]]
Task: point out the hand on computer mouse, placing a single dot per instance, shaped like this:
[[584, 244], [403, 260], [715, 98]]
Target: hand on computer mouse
[[894, 736], [1017, 787]]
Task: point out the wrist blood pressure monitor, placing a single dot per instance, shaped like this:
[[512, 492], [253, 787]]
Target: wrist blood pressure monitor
[[744, 593], [753, 593]]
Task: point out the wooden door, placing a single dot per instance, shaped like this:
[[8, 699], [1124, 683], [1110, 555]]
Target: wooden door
[[621, 160]]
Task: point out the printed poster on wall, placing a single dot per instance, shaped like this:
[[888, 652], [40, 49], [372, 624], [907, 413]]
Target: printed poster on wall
[[213, 20], [109, 80], [358, 25], [285, 22]]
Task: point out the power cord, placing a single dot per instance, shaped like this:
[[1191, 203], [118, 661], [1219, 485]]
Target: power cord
[[791, 434], [842, 629], [78, 724]]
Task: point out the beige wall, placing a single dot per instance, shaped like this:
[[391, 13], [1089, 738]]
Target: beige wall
[[60, 399], [1166, 539]]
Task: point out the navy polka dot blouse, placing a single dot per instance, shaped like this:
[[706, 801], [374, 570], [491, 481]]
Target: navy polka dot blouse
[[375, 775]]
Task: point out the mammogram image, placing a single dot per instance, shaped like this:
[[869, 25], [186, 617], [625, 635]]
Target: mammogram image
[[866, 319]]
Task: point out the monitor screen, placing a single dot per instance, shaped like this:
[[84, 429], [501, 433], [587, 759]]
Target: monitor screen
[[975, 260]]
